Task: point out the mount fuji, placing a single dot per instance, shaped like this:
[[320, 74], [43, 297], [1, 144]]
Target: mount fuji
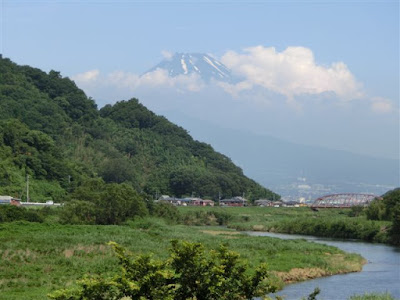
[[195, 63]]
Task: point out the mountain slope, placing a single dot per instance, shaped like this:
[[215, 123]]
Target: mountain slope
[[121, 143], [204, 65]]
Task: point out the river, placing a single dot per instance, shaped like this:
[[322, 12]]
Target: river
[[381, 273]]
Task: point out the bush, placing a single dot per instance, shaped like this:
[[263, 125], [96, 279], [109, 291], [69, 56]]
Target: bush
[[166, 211], [78, 212], [189, 273], [105, 204], [10, 213]]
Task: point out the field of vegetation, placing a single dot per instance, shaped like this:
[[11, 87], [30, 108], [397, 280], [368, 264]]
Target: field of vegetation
[[37, 258]]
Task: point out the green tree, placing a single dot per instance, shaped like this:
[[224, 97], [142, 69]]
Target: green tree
[[114, 203], [394, 232], [119, 202], [384, 208]]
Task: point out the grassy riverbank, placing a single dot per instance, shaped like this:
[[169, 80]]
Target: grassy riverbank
[[335, 223], [38, 258], [372, 296]]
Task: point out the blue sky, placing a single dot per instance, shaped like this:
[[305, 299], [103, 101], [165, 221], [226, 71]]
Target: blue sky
[[75, 37]]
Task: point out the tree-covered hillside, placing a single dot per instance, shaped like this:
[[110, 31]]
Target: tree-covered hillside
[[52, 132]]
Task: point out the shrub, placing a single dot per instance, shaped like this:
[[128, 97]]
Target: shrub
[[78, 212], [189, 273], [10, 213], [166, 211]]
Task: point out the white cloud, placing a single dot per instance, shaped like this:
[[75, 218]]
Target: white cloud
[[381, 105], [131, 82], [121, 79], [291, 72], [167, 54], [87, 77]]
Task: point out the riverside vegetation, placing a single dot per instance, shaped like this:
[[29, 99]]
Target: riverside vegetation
[[379, 222], [39, 258]]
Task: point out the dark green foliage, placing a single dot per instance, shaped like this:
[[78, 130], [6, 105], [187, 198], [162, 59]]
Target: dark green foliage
[[166, 211], [32, 150], [117, 170], [394, 231], [334, 228], [189, 273], [376, 210], [356, 211], [10, 213], [383, 209], [106, 204], [387, 208], [79, 212]]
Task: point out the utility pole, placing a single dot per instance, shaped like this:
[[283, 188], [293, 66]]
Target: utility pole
[[27, 188]]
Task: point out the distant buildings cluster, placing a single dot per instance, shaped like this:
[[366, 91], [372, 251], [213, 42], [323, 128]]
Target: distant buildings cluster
[[235, 201], [191, 201], [8, 200], [269, 203]]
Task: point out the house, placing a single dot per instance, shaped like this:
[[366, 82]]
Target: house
[[168, 199], [235, 201], [291, 204], [201, 202], [277, 204], [8, 200], [263, 202]]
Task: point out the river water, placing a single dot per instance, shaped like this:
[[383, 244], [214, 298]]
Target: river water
[[381, 273]]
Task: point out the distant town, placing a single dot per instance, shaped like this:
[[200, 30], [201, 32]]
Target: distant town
[[303, 190]]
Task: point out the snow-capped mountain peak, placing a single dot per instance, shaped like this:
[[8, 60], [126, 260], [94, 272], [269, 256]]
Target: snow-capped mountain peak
[[188, 63]]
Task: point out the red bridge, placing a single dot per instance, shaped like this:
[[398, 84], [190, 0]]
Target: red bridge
[[344, 200]]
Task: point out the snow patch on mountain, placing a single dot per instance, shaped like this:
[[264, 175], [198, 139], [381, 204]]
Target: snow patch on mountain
[[207, 67]]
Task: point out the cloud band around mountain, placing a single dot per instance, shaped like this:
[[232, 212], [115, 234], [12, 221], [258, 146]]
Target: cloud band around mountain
[[291, 72]]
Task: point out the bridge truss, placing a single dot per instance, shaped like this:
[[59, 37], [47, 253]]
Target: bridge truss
[[344, 200]]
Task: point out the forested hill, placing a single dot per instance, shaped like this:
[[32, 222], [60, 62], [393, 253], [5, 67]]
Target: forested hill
[[52, 132]]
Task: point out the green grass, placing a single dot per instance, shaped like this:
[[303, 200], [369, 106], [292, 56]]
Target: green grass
[[38, 258], [373, 296]]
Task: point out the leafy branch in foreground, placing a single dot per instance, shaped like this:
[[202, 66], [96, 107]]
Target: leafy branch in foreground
[[188, 273]]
